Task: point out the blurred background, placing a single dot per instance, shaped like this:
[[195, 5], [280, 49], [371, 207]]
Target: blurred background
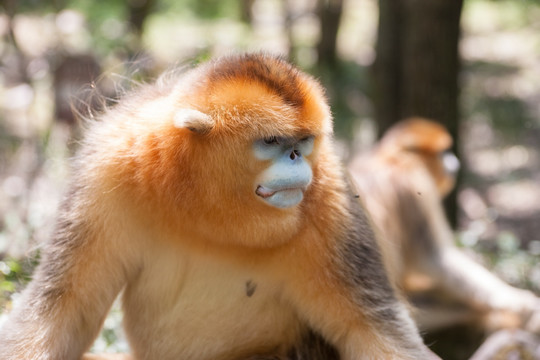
[[473, 65]]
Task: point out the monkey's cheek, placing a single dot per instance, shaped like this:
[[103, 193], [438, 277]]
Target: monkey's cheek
[[285, 198]]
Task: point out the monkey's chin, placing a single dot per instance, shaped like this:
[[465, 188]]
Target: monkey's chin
[[282, 199]]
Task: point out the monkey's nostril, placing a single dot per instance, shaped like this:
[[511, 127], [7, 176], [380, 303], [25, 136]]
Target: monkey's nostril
[[294, 154]]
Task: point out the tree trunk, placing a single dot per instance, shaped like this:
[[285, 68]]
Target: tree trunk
[[386, 69], [329, 13], [246, 8], [430, 65], [417, 65], [138, 12]]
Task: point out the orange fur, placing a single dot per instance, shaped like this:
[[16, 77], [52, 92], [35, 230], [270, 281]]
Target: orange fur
[[163, 206], [421, 143]]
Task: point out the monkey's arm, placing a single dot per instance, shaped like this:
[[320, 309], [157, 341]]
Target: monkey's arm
[[457, 274], [481, 288], [83, 269], [473, 284], [344, 294]]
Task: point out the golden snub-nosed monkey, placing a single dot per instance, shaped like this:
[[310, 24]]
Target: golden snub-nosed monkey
[[402, 182], [216, 204]]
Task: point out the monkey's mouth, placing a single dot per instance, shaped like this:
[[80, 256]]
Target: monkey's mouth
[[281, 198], [265, 192]]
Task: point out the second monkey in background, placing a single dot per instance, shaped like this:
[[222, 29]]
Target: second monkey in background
[[402, 182]]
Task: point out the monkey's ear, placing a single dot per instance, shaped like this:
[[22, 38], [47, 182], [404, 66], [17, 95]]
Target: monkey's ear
[[193, 120]]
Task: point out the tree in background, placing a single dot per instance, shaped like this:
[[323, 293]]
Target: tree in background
[[417, 65], [329, 13], [138, 12]]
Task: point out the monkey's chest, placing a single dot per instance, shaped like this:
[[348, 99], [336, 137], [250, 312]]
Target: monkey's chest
[[199, 308]]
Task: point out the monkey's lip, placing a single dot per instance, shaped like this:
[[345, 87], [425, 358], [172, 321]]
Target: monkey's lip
[[265, 192]]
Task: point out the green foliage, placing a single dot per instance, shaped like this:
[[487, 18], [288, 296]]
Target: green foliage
[[14, 274], [99, 11], [508, 114], [30, 6], [507, 14], [506, 257], [107, 22], [210, 9]]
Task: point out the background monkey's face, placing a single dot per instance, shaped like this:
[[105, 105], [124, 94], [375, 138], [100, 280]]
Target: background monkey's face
[[429, 145], [443, 167]]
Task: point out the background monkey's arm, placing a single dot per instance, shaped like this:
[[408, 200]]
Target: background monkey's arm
[[474, 284], [456, 274]]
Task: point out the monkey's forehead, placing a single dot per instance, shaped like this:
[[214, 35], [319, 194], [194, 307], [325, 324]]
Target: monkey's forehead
[[239, 104], [273, 73], [261, 92]]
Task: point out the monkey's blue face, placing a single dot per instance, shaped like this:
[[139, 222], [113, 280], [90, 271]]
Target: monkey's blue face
[[283, 183], [450, 163]]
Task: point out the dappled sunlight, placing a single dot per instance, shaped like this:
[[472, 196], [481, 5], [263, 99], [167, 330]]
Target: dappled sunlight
[[359, 18], [516, 198], [498, 162], [500, 137], [189, 38], [35, 34], [502, 46]]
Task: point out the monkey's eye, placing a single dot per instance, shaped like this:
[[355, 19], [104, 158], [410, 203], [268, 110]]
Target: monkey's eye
[[272, 140]]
